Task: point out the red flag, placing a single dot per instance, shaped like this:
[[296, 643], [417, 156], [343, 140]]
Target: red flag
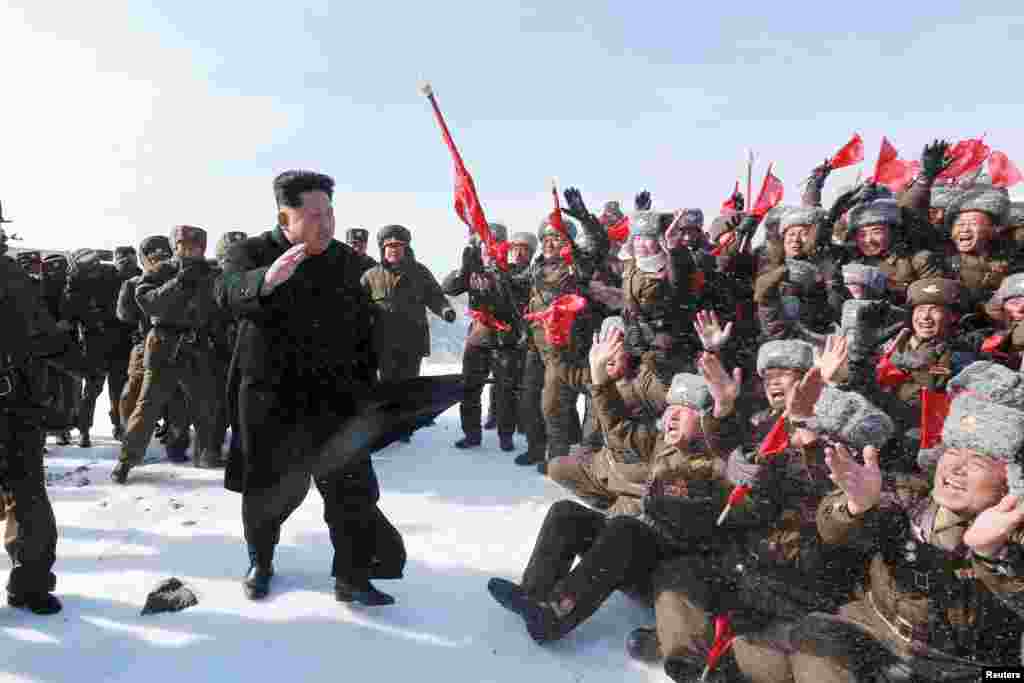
[[724, 638], [1003, 171], [992, 344], [555, 219], [967, 155], [892, 171], [557, 319], [934, 409], [467, 202], [724, 242], [888, 375], [729, 205], [488, 320], [851, 153], [776, 441], [770, 195], [620, 231]]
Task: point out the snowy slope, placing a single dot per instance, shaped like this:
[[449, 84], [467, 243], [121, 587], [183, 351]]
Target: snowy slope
[[465, 517]]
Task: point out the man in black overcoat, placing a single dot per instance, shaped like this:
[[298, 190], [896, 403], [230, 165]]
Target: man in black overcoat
[[302, 363]]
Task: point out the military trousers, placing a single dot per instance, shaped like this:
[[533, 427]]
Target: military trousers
[[478, 362], [191, 373], [30, 535], [563, 384], [616, 553], [531, 417]]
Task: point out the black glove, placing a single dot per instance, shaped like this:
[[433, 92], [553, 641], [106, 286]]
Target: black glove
[[820, 173], [738, 201], [449, 316], [642, 202], [843, 203], [471, 260], [933, 159], [574, 203]]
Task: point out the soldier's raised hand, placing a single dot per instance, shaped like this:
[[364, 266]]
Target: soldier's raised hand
[[642, 201], [992, 528], [862, 484], [833, 357], [723, 388], [283, 267], [604, 348], [805, 394], [710, 331]]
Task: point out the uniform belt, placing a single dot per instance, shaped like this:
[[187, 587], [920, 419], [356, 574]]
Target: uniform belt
[[904, 629]]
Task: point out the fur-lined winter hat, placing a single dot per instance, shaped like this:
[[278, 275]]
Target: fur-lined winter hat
[[785, 354], [690, 391], [991, 382], [691, 219], [936, 291], [647, 224], [772, 219], [611, 214], [546, 228], [800, 215], [393, 233], [849, 417], [879, 211], [1010, 288], [993, 201], [803, 274], [357, 235], [942, 195], [229, 238], [869, 277], [613, 322], [994, 430], [1015, 216], [189, 234], [527, 238]]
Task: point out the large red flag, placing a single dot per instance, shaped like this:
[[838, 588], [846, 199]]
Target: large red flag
[[770, 195], [892, 171], [467, 202], [851, 153], [967, 155], [1003, 171]]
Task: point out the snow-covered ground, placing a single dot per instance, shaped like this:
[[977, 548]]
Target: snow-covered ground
[[465, 516]]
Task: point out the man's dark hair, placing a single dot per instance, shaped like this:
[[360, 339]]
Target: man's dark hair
[[289, 186]]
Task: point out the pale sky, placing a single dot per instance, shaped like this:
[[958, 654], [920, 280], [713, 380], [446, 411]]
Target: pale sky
[[123, 118]]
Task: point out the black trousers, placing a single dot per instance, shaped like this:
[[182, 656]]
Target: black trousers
[[615, 553], [478, 363], [30, 537], [531, 418]]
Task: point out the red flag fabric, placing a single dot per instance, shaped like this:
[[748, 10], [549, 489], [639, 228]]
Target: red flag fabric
[[771, 194], [724, 242], [556, 222], [1003, 171], [992, 344], [934, 409], [488, 320], [967, 155], [557, 319], [892, 171], [729, 205], [620, 231], [888, 375], [851, 153], [776, 441], [467, 202], [724, 638]]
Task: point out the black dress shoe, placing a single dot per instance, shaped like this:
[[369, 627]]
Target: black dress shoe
[[469, 441], [257, 582], [364, 594], [506, 442], [119, 474], [37, 603]]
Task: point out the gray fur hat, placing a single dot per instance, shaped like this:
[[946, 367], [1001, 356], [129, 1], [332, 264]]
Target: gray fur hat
[[879, 211], [499, 231], [785, 354], [613, 322], [994, 201], [545, 227], [646, 224], [990, 382], [1015, 217], [850, 418], [800, 215], [1010, 288], [691, 219], [690, 391], [527, 238], [942, 195], [995, 430], [869, 277], [801, 273], [772, 219]]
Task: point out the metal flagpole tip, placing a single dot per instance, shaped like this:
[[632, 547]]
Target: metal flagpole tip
[[426, 89]]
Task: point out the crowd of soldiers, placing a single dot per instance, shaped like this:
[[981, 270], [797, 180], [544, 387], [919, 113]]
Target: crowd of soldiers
[[805, 456]]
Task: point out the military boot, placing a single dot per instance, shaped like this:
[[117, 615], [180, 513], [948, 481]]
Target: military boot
[[362, 592], [642, 644], [506, 442], [257, 580], [37, 603], [469, 441], [83, 439], [541, 621], [64, 438], [119, 474]]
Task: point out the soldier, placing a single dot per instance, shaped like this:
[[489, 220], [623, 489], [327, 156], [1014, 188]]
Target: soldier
[[63, 388], [127, 264], [90, 303], [224, 338], [491, 344], [304, 356], [358, 238], [178, 298], [30, 537], [943, 600]]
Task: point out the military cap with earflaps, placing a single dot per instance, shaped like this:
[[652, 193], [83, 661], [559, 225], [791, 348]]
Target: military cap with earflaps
[[691, 391], [993, 201], [546, 227], [611, 214], [799, 215], [935, 291], [357, 235], [802, 273], [394, 233], [1015, 216], [991, 382], [153, 242], [527, 238], [989, 428], [877, 212], [852, 419], [942, 195], [785, 354], [1010, 288], [122, 252], [188, 233]]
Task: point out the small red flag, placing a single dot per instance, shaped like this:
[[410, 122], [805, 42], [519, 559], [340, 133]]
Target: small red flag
[[724, 638], [888, 375], [892, 171], [934, 409], [724, 242], [488, 320], [966, 155], [992, 344], [557, 319], [851, 153], [729, 205], [1003, 171], [620, 231], [776, 441], [770, 195], [556, 222]]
